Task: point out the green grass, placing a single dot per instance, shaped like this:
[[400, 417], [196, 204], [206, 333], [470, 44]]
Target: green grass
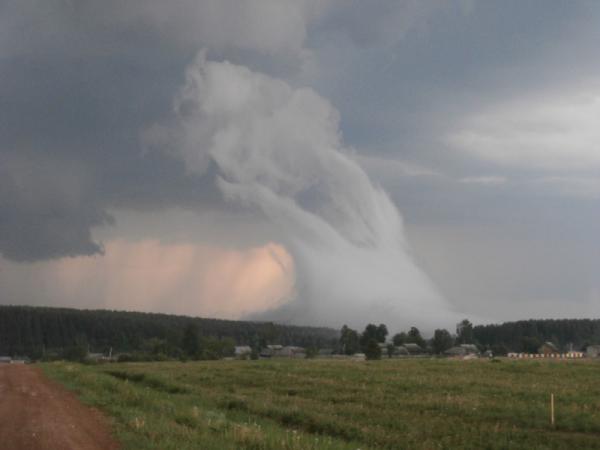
[[318, 404]]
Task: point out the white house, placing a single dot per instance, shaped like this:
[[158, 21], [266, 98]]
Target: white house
[[242, 351]]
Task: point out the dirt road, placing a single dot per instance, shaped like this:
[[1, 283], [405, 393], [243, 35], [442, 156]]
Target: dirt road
[[36, 413]]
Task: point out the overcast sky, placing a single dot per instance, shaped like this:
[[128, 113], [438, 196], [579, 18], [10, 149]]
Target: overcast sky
[[245, 159]]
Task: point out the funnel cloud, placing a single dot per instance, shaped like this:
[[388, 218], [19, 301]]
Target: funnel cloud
[[279, 149]]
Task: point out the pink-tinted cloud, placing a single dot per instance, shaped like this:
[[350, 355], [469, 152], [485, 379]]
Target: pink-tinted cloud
[[153, 276]]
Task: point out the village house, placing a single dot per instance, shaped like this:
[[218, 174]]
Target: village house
[[592, 351], [101, 357], [354, 357], [279, 351], [98, 357], [242, 351], [455, 351], [463, 350], [471, 349], [20, 360], [414, 349], [270, 350], [400, 352], [290, 351], [548, 348]]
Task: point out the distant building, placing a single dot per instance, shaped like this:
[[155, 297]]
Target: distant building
[[592, 351], [471, 349], [270, 350], [400, 351], [455, 351], [5, 359], [100, 357], [266, 353], [279, 351], [242, 351], [462, 350], [290, 351], [548, 348], [414, 349]]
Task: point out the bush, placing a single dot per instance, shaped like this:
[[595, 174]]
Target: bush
[[311, 352], [372, 350], [75, 353]]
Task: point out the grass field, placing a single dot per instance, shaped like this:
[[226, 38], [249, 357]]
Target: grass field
[[318, 404]]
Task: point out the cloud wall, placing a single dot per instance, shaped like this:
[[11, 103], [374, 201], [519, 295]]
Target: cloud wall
[[279, 149]]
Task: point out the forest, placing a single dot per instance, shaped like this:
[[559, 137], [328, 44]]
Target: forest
[[528, 335], [46, 332], [54, 333]]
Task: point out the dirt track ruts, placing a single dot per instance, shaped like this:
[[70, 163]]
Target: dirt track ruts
[[37, 413]]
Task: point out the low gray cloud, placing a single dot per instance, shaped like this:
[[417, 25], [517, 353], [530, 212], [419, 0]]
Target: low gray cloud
[[45, 209]]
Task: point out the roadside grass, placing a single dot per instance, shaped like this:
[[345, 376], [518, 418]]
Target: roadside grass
[[320, 404]]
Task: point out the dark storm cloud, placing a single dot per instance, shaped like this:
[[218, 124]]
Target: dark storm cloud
[[73, 104], [44, 209], [82, 80], [31, 236]]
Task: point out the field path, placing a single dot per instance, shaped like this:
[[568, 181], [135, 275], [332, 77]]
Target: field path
[[36, 413]]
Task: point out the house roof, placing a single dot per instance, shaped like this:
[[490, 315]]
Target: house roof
[[413, 348], [400, 350], [412, 345], [242, 349], [549, 344], [294, 348], [470, 347], [457, 350]]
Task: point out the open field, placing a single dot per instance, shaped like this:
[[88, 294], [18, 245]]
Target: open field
[[318, 404]]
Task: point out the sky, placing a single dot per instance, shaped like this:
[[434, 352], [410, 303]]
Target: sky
[[316, 162]]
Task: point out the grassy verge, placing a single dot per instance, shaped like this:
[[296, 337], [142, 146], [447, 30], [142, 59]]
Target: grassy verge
[[412, 404]]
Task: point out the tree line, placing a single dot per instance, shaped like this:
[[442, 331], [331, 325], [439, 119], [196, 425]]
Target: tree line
[[371, 340], [527, 335], [42, 332], [39, 332], [521, 336]]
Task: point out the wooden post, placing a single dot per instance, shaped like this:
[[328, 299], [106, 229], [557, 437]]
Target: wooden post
[[552, 410]]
